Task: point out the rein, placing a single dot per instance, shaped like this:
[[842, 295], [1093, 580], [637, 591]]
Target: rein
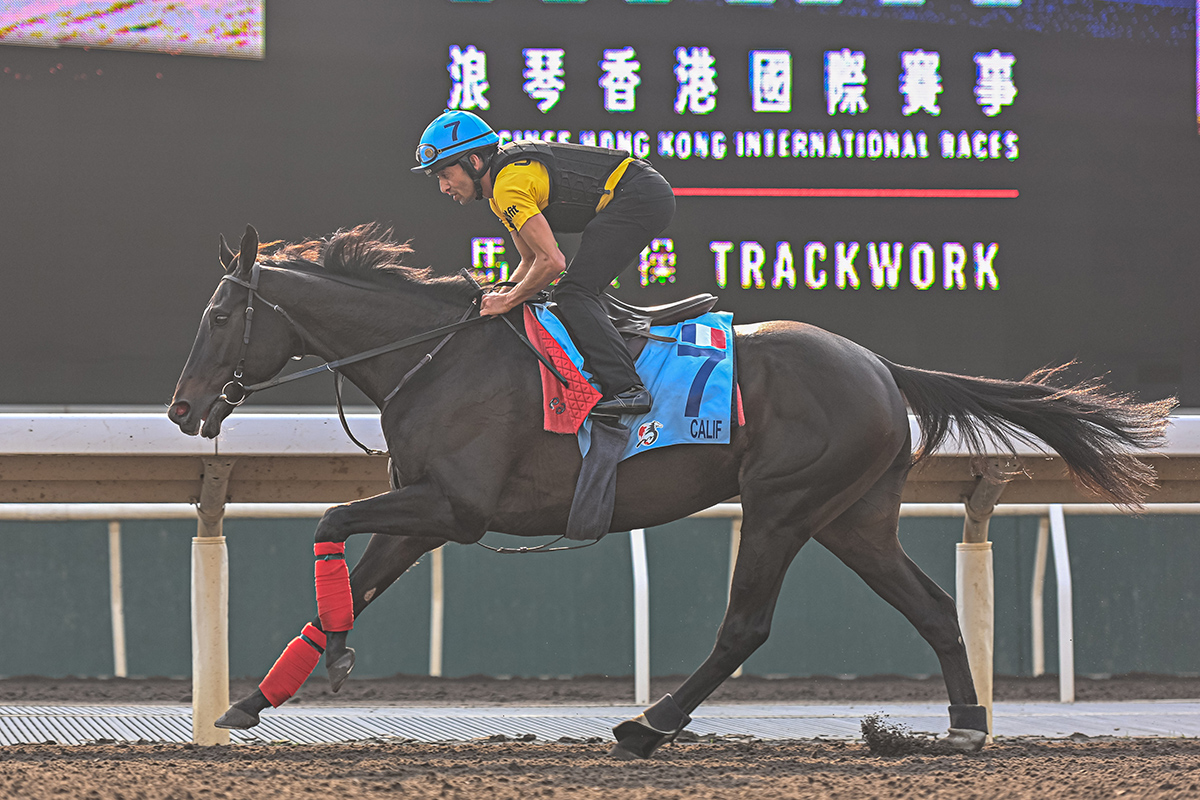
[[331, 366], [234, 392]]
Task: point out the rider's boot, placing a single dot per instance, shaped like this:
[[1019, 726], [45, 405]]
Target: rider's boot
[[635, 400]]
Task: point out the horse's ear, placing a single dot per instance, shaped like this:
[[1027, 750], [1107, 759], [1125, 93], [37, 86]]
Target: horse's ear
[[249, 248], [226, 255]]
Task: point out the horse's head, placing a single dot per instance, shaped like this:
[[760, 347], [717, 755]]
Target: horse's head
[[241, 340]]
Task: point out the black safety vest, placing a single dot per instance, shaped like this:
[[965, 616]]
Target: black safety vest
[[577, 176]]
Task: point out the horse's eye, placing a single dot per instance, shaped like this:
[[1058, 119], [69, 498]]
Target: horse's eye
[[220, 319]]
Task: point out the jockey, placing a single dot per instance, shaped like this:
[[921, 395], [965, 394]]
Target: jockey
[[536, 189]]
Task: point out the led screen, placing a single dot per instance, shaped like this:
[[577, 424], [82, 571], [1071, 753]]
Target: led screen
[[231, 29], [983, 189], [931, 177]]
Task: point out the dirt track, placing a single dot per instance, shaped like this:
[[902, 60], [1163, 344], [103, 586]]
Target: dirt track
[[1016, 770], [1010, 771]]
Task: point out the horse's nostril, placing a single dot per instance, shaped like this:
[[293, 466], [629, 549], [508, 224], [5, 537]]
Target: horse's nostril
[[181, 409]]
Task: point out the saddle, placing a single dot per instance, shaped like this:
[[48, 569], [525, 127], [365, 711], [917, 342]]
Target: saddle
[[634, 322]]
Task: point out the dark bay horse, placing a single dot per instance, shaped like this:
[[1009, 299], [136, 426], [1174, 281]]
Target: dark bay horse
[[823, 455]]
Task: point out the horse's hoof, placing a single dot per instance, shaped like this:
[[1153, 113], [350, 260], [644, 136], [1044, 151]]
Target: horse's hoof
[[236, 719], [641, 736], [339, 670], [965, 740], [621, 754], [968, 728], [635, 739]]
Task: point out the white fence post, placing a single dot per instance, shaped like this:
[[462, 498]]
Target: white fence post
[[975, 594], [1066, 622], [116, 599], [641, 617], [210, 606], [1037, 606], [437, 611], [975, 599]]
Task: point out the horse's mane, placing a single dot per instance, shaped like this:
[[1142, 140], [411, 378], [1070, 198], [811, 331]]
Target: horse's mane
[[367, 252]]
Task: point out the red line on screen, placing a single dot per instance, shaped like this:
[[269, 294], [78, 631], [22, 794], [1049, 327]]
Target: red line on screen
[[994, 194]]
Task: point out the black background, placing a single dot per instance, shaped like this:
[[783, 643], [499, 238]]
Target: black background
[[115, 186]]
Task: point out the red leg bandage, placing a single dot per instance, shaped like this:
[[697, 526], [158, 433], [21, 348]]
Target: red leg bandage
[[297, 662], [335, 606]]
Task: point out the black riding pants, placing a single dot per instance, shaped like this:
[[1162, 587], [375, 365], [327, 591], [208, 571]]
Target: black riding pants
[[641, 208]]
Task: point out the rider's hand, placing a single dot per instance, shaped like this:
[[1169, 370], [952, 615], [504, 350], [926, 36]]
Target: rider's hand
[[496, 303]]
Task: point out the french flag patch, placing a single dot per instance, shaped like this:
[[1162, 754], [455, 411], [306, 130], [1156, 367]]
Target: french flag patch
[[703, 336]]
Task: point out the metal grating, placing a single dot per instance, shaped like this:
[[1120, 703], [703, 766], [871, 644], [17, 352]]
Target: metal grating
[[80, 724]]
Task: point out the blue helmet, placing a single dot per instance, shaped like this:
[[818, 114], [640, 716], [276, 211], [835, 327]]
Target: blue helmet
[[451, 137]]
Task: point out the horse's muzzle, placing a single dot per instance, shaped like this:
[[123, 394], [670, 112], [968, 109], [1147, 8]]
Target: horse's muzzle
[[184, 414], [203, 417]]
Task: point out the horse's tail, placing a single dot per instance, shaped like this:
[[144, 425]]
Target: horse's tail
[[1095, 431]]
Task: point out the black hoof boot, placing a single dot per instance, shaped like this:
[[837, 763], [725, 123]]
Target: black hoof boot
[[641, 736], [243, 714], [339, 659], [968, 728]]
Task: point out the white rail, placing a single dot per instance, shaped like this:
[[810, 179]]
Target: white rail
[[1052, 527]]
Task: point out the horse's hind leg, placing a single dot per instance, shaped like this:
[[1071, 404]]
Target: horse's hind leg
[[385, 559], [763, 559], [865, 539], [790, 491]]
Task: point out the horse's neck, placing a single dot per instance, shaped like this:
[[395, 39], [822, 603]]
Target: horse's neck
[[346, 320]]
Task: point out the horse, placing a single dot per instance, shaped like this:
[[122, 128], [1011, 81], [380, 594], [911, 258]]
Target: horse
[[823, 453]]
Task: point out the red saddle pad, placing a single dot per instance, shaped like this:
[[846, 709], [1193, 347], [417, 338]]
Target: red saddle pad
[[564, 408]]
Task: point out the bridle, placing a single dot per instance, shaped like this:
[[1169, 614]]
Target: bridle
[[234, 392]]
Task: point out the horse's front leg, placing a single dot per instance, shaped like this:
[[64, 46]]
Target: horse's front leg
[[384, 561], [419, 510]]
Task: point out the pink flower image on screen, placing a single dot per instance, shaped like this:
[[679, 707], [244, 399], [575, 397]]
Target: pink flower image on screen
[[231, 29]]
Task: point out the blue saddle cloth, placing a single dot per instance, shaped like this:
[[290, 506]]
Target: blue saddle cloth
[[693, 382]]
